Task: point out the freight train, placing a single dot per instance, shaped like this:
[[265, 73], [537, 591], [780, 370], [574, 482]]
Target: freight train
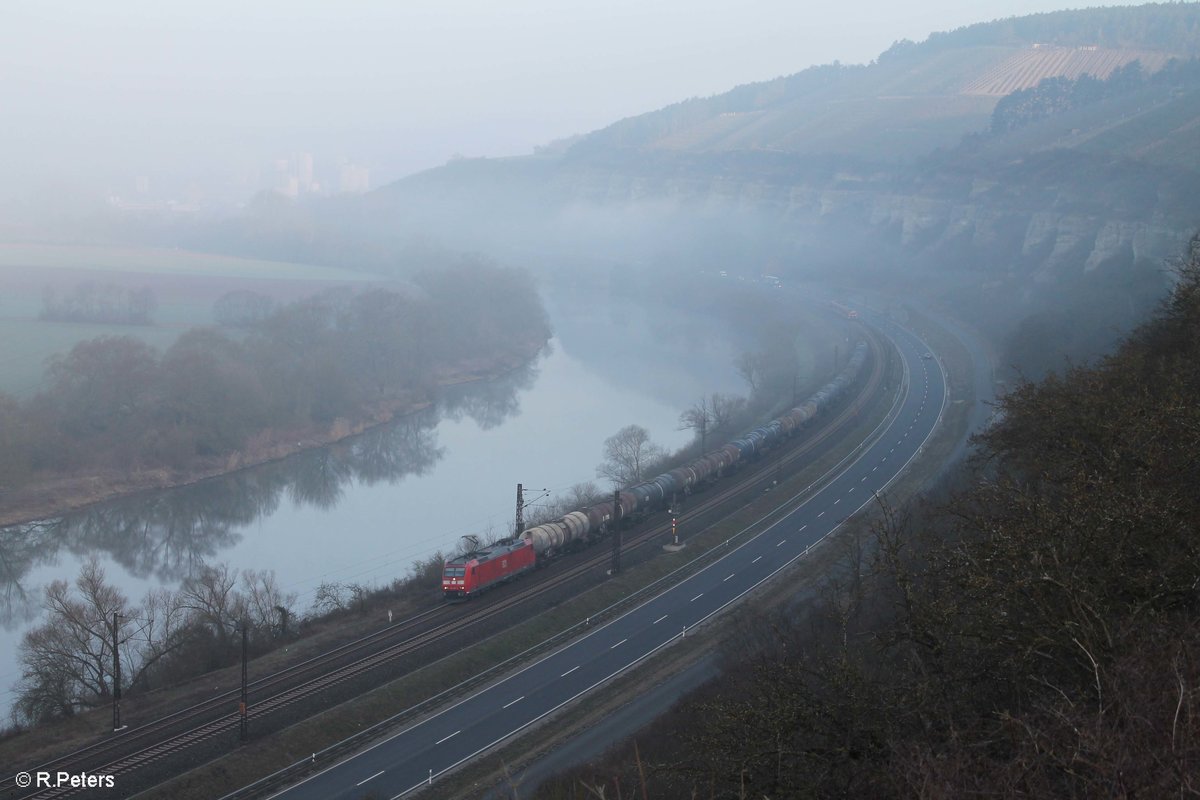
[[474, 572]]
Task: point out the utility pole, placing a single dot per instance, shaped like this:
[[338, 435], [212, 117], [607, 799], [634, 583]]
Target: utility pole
[[616, 536], [242, 707], [520, 526], [116, 674]]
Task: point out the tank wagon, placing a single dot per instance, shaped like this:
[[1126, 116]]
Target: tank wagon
[[469, 574]]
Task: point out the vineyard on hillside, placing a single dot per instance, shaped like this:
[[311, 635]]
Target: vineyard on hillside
[[1026, 68]]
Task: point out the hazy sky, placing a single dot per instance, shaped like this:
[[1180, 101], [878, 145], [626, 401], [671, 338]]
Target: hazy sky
[[205, 92]]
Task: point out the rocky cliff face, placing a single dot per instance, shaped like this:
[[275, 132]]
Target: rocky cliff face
[[1037, 231]]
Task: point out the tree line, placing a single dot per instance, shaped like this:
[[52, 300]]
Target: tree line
[[96, 302], [171, 636], [1169, 27], [116, 402], [1031, 632], [67, 661], [1058, 94]]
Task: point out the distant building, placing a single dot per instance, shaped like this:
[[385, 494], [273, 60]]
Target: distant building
[[304, 172]]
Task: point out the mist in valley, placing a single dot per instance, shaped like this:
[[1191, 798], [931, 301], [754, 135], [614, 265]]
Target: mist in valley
[[294, 258]]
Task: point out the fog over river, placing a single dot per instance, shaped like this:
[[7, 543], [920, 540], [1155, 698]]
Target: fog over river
[[363, 510]]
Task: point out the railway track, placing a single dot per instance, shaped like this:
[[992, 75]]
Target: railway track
[[138, 748]]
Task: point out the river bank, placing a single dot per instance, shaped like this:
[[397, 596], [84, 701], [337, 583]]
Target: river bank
[[54, 495]]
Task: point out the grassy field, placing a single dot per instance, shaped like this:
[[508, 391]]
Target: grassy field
[[161, 261], [185, 285]]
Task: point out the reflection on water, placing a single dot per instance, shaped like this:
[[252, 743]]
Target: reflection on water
[[169, 534]]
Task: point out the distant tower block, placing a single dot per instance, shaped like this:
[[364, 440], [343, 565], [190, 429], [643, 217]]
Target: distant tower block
[[304, 172]]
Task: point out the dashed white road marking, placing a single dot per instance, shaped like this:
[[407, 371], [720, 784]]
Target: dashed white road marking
[[618, 644], [697, 597], [568, 672], [513, 702], [660, 619], [448, 738], [755, 561], [373, 777]]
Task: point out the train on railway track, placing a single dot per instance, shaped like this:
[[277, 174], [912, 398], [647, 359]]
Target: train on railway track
[[469, 574], [845, 310]]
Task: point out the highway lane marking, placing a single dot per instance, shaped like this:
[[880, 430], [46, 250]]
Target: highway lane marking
[[755, 561], [660, 619], [820, 515], [802, 527], [835, 502], [618, 644], [697, 597], [514, 702], [874, 468], [782, 542], [863, 478], [448, 738], [373, 777], [422, 782], [730, 576], [568, 672]]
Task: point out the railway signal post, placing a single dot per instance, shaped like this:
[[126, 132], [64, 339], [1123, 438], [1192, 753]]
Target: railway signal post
[[242, 705], [616, 537], [116, 675]]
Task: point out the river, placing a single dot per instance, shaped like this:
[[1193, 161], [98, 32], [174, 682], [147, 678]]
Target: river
[[364, 510]]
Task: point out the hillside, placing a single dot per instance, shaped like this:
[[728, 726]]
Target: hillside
[[914, 98], [1031, 634], [1030, 66]]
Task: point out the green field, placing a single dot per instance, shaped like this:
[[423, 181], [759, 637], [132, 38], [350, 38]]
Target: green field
[[162, 261], [185, 285]]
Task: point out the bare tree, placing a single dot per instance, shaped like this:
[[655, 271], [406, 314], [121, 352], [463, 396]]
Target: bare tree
[[266, 603], [725, 409], [159, 628], [67, 661], [698, 418], [330, 597], [628, 455], [211, 601], [751, 367], [583, 494], [711, 414]]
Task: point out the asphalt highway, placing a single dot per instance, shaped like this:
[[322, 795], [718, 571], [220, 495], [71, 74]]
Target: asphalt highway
[[417, 756]]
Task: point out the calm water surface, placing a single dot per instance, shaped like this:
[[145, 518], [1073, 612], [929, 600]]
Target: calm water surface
[[362, 511]]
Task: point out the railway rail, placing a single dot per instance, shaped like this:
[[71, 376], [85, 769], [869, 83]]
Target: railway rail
[[130, 752]]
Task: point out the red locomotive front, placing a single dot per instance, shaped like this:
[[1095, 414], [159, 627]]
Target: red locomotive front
[[472, 573]]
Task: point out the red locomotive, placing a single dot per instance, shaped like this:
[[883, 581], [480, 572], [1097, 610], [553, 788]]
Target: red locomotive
[[844, 310], [468, 575]]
